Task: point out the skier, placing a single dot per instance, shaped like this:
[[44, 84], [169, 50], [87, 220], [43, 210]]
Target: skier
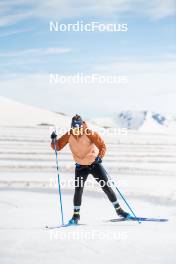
[[88, 150]]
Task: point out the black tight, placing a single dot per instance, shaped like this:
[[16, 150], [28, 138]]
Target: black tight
[[99, 174]]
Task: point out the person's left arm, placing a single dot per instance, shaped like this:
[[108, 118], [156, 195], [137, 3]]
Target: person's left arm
[[99, 143]]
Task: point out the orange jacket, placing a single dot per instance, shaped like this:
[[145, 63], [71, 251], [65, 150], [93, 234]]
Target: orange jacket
[[85, 148]]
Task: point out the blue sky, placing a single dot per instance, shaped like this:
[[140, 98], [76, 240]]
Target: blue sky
[[146, 54]]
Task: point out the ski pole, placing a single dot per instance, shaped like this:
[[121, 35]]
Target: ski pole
[[122, 196], [59, 185]]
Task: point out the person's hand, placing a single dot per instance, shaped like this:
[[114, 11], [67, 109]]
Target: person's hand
[[53, 136], [77, 165], [98, 160]]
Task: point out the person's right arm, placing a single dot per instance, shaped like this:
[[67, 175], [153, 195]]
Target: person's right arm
[[61, 142]]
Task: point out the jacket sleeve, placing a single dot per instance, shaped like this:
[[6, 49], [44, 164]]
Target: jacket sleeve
[[99, 143], [61, 142]]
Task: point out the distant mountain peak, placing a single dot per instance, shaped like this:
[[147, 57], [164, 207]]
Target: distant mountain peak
[[138, 120]]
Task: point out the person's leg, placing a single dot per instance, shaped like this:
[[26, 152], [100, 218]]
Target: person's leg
[[101, 177], [80, 179]]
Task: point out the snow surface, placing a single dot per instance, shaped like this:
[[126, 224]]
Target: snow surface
[[13, 113], [24, 238], [143, 165]]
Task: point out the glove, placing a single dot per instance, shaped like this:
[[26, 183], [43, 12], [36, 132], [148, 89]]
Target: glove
[[98, 160], [53, 135], [77, 165]]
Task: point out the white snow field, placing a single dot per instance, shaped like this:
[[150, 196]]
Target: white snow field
[[13, 113], [143, 165]]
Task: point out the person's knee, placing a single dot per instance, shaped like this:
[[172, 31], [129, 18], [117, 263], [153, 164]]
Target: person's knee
[[110, 193], [106, 189], [78, 191]]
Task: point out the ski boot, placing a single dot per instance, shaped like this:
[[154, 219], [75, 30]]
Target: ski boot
[[120, 212], [75, 219]]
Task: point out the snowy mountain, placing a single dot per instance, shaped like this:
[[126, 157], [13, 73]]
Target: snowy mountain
[[13, 113], [130, 120], [138, 120]]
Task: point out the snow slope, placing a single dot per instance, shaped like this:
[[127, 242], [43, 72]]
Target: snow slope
[[143, 165], [23, 238], [13, 113], [16, 114]]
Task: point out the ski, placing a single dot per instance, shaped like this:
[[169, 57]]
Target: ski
[[64, 225], [140, 219]]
